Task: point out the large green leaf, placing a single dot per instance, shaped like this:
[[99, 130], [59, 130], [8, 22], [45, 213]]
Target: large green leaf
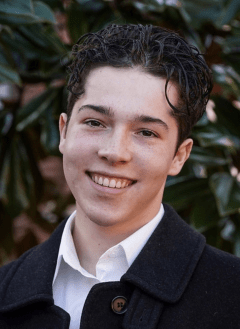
[[216, 135], [16, 180], [204, 213], [8, 74], [228, 13], [228, 79], [31, 44], [227, 193], [50, 134], [207, 157], [91, 5], [43, 11], [149, 6], [227, 115], [25, 12], [34, 110], [181, 194], [202, 11], [16, 7]]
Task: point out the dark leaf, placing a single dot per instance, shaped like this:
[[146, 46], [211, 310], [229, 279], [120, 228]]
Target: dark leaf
[[182, 193], [25, 12], [43, 11], [202, 11], [7, 74], [204, 213], [227, 193], [91, 5], [207, 157], [216, 135], [16, 179], [228, 13], [34, 110], [227, 115], [50, 134]]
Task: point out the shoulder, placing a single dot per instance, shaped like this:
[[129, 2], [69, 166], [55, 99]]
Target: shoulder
[[222, 264], [9, 269], [217, 278]]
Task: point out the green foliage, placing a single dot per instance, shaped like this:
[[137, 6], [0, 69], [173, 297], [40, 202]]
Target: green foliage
[[207, 191]]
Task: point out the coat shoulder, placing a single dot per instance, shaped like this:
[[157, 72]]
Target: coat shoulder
[[9, 269], [223, 261], [218, 274]]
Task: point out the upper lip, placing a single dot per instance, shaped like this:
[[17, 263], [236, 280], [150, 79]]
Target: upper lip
[[103, 173]]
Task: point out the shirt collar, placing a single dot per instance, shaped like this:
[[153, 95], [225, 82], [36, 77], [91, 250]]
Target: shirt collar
[[67, 250], [131, 245], [135, 242]]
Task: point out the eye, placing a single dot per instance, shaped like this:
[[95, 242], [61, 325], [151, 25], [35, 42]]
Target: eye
[[147, 133], [93, 123]]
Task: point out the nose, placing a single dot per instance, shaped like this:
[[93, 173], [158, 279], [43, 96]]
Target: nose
[[116, 148]]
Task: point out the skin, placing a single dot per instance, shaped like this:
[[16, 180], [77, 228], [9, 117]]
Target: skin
[[120, 145]]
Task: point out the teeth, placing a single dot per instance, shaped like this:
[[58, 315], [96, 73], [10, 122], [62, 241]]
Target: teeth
[[108, 182], [105, 182], [124, 184], [112, 183]]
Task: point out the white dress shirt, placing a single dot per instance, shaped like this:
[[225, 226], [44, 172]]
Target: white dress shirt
[[72, 283]]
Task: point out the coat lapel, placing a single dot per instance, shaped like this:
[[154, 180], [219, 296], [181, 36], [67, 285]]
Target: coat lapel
[[166, 263], [162, 270]]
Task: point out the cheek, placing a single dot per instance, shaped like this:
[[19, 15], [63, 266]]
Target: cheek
[[79, 151], [154, 161]]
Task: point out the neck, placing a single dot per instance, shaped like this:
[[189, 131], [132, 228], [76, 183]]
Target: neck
[[92, 239]]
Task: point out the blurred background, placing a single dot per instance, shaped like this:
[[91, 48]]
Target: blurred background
[[36, 38]]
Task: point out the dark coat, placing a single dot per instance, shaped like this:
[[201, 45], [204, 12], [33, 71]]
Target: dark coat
[[176, 282]]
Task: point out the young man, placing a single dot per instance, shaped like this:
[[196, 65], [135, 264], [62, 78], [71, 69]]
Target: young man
[[124, 260]]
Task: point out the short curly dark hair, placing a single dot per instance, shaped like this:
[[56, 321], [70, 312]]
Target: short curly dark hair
[[157, 51]]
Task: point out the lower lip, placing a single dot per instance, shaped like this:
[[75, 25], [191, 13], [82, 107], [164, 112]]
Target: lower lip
[[106, 189]]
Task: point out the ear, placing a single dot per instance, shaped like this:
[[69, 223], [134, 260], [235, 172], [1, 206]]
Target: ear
[[62, 130], [181, 157]]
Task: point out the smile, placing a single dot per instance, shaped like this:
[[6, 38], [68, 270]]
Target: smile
[[112, 182]]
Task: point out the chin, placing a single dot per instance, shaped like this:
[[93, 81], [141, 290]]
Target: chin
[[104, 219]]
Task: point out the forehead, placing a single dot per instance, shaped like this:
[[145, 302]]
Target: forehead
[[128, 91]]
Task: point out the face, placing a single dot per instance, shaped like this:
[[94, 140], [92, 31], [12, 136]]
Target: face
[[119, 147]]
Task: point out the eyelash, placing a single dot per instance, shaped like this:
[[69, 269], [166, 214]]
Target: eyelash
[[148, 131], [89, 123]]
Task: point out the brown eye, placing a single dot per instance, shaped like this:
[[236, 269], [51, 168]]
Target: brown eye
[[93, 123], [147, 133]]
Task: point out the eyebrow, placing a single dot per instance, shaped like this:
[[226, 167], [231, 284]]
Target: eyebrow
[[148, 119], [110, 113], [100, 109]]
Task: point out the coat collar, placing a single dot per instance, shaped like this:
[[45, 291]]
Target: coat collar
[[162, 269]]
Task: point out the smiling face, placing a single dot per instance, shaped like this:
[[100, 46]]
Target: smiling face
[[121, 134]]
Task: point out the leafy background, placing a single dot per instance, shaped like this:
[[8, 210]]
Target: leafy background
[[36, 38]]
